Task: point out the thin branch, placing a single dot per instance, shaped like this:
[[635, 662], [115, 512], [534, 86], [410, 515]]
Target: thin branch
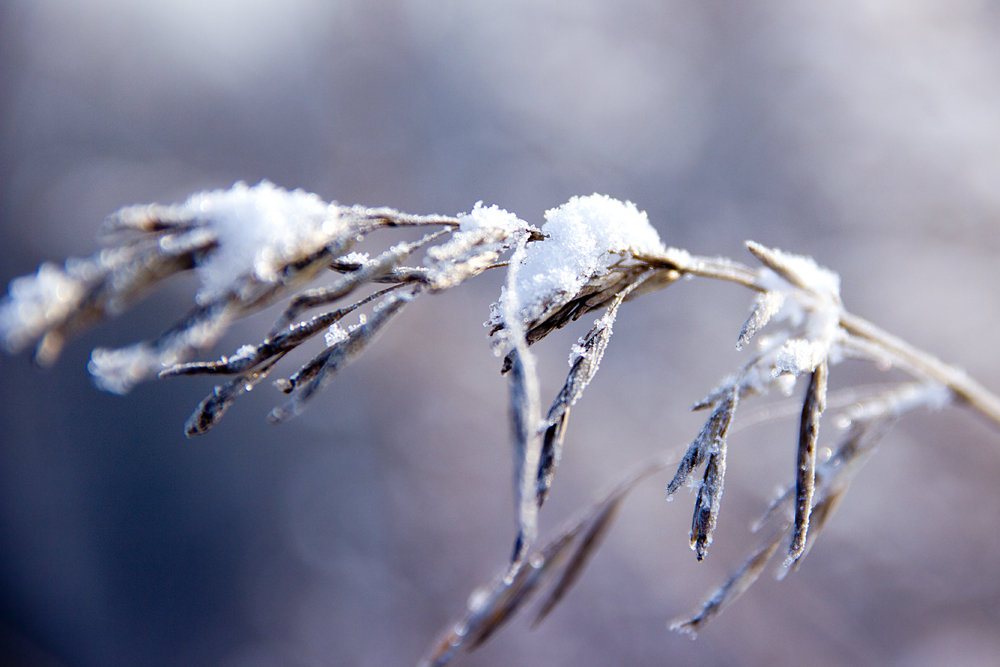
[[979, 398], [969, 391]]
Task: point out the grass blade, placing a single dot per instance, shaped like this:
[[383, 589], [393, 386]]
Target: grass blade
[[805, 480], [729, 592]]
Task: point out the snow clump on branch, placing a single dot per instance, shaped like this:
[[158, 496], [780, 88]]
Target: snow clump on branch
[[584, 239]]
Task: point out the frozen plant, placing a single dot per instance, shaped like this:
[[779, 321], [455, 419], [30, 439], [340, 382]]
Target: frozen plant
[[254, 246]]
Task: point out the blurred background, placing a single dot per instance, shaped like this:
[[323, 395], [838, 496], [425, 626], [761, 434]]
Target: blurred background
[[865, 134]]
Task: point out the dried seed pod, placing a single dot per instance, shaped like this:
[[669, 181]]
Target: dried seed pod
[[709, 439], [805, 481]]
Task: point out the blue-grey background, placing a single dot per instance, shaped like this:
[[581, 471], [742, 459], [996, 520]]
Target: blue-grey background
[[866, 134]]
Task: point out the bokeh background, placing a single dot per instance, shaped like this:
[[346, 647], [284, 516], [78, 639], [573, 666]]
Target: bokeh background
[[864, 133]]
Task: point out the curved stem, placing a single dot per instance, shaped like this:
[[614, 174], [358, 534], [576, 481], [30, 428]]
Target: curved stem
[[918, 362], [978, 397], [718, 268]]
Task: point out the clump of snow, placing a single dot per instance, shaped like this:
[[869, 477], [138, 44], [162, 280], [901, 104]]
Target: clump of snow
[[811, 305], [584, 238], [259, 230], [485, 231], [118, 370], [242, 353], [335, 334], [34, 303], [482, 236], [804, 300], [355, 258], [799, 355], [490, 217]]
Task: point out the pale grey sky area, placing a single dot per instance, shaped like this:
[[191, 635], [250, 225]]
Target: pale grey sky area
[[865, 134]]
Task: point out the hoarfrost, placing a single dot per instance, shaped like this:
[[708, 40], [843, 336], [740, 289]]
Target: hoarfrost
[[806, 298], [355, 257], [482, 236], [118, 370], [799, 356], [804, 271], [491, 228], [245, 351], [335, 334], [785, 384], [577, 351]]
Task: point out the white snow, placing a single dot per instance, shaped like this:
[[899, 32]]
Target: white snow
[[678, 257], [804, 301], [118, 370], [487, 228], [490, 217], [799, 355], [584, 238], [34, 303], [243, 353], [355, 257], [335, 334], [577, 351], [481, 237], [811, 275], [259, 230], [770, 303], [766, 306], [814, 312]]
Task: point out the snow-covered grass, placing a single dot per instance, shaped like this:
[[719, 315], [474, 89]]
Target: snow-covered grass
[[585, 237], [254, 246]]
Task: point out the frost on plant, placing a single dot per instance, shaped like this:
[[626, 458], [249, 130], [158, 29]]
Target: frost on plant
[[586, 238], [251, 247]]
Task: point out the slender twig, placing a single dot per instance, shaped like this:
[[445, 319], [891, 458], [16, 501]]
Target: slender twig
[[979, 398], [967, 390]]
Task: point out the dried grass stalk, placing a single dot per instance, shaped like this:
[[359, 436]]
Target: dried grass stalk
[[585, 359], [561, 560], [730, 591], [710, 439], [525, 414], [805, 480], [256, 246]]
